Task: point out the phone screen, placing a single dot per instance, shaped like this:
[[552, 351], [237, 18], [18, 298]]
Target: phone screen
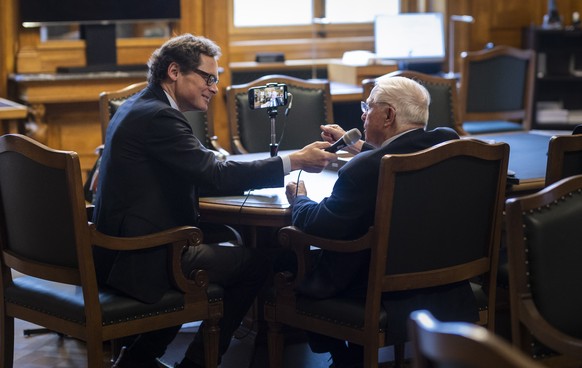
[[268, 96]]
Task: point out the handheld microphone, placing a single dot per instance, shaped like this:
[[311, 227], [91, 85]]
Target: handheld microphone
[[349, 138]]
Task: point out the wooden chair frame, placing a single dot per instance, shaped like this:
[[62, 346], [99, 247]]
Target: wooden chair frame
[[109, 98], [523, 114], [235, 90], [461, 343], [428, 81], [94, 323], [283, 311], [527, 321], [564, 157]]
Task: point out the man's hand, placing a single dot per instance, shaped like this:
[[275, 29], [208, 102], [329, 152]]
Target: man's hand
[[333, 132], [293, 189], [312, 158]]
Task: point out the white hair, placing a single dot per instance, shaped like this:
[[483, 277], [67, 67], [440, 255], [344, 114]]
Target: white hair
[[409, 98]]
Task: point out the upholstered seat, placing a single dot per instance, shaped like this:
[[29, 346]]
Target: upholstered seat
[[443, 110], [544, 268], [251, 129], [564, 157], [202, 123], [457, 218], [496, 90], [47, 270]]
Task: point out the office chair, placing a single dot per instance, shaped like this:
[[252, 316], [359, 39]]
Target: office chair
[[251, 129], [45, 235], [496, 90], [544, 269], [443, 110], [435, 343], [460, 224]]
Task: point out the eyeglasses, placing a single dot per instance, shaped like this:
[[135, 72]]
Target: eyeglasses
[[210, 78], [364, 106]]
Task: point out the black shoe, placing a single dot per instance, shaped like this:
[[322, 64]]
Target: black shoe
[[125, 360]]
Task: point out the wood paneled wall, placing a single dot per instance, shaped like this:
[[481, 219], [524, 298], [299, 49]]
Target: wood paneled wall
[[497, 21]]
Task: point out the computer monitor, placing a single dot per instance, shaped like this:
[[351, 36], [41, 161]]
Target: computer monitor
[[97, 20], [410, 37]]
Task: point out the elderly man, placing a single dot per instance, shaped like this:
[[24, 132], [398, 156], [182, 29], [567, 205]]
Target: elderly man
[[395, 117]]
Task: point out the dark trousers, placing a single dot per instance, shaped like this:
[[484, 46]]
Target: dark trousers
[[240, 271]]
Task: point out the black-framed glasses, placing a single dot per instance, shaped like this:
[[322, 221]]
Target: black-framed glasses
[[210, 78]]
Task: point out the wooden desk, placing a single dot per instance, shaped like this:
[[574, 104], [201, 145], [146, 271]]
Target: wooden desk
[[341, 89], [344, 92], [269, 207], [264, 207], [69, 105], [10, 111], [528, 157], [355, 74]]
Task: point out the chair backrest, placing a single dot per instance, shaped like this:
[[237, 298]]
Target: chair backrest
[[445, 203], [564, 157], [43, 223], [201, 122], [437, 222], [45, 235], [444, 105], [445, 344], [497, 85], [544, 267], [109, 102], [251, 129]]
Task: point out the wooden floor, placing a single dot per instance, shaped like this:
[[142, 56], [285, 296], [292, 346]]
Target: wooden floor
[[52, 350]]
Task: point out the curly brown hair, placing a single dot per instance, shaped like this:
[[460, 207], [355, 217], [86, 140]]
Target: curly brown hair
[[185, 50]]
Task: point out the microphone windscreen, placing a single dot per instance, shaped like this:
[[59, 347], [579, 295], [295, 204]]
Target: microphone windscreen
[[352, 136]]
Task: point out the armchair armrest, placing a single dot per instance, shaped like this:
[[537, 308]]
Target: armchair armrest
[[217, 147], [176, 239], [300, 242]]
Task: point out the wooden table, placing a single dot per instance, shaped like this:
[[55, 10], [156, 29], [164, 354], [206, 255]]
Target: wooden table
[[528, 157], [269, 207], [65, 107], [264, 207], [38, 90], [10, 111]]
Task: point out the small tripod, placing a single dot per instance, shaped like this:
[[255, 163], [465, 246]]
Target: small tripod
[[274, 146]]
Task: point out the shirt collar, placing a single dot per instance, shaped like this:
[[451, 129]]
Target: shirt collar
[[172, 102], [393, 138]]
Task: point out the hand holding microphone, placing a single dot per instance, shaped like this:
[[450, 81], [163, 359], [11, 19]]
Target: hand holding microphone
[[348, 139]]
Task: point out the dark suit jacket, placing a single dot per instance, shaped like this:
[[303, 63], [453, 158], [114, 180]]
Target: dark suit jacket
[[151, 170], [348, 213]]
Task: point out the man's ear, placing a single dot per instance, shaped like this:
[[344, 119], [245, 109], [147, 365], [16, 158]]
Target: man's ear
[[390, 114], [173, 71]]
